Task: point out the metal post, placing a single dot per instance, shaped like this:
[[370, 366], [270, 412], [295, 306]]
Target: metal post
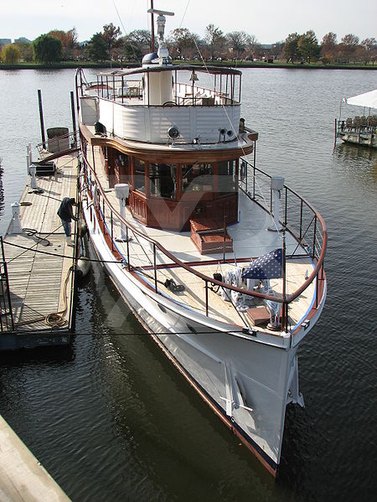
[[314, 236], [155, 266], [153, 47], [285, 305], [41, 119], [112, 230], [206, 288], [7, 283], [301, 213], [286, 207], [73, 119], [128, 250]]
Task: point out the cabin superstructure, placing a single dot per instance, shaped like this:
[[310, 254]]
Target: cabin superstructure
[[175, 143]]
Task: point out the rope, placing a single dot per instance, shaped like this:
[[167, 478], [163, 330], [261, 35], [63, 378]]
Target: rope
[[54, 319], [52, 254], [33, 246]]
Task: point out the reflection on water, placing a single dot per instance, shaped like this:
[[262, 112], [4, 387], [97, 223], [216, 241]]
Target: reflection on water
[[357, 154], [113, 420]]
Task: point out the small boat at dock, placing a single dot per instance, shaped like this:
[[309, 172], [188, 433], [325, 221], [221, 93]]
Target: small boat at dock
[[222, 263], [359, 129]]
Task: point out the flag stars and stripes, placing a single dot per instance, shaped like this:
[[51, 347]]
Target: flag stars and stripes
[[268, 266]]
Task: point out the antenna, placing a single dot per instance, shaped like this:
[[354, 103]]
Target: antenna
[[163, 52], [160, 12], [160, 22], [153, 46]]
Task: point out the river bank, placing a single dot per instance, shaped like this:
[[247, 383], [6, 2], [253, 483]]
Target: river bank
[[235, 64]]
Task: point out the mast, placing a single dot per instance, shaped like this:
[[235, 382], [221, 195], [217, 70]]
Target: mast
[[163, 52], [153, 47]]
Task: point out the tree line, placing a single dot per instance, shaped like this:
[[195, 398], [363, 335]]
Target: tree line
[[110, 45]]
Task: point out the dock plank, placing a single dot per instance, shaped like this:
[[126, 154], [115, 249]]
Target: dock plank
[[40, 284]]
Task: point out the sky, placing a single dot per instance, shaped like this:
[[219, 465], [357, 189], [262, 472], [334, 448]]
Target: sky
[[269, 22]]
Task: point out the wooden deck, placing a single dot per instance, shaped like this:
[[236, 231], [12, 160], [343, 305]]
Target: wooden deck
[[39, 261], [251, 238]]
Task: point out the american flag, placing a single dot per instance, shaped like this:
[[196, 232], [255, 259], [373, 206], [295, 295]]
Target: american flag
[[268, 266]]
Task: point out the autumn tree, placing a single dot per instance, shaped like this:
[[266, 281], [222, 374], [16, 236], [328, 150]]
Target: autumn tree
[[238, 42], [47, 49], [182, 43], [68, 39], [25, 49], [348, 46], [111, 36], [328, 48], [369, 46], [11, 54], [215, 40]]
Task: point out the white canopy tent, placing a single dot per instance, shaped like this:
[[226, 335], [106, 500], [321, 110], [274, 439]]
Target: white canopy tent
[[368, 99]]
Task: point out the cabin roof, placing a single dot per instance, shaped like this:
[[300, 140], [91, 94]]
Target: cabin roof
[[213, 70]]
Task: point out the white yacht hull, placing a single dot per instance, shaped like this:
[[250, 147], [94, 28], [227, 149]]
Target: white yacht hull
[[247, 380]]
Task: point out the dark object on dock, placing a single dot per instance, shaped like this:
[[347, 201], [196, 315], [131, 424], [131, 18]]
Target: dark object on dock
[[45, 168], [58, 139]]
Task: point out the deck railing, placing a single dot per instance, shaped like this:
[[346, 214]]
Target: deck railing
[[300, 219], [116, 86], [6, 312]]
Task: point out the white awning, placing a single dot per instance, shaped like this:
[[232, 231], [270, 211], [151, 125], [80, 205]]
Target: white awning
[[368, 99]]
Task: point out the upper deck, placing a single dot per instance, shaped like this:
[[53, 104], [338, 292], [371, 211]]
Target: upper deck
[[165, 104]]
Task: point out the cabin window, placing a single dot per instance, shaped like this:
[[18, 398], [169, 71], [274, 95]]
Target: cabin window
[[139, 170], [227, 176], [163, 180], [197, 177], [122, 161]]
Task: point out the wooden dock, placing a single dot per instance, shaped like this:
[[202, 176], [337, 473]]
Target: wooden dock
[[22, 477], [38, 267]]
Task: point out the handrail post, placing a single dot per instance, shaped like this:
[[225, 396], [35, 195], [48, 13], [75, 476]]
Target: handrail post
[[206, 289], [254, 182], [315, 235], [286, 207], [128, 249], [155, 267], [112, 230]]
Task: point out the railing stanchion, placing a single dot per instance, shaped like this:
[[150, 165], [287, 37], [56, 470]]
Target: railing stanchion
[[155, 266], [314, 236], [112, 230], [206, 288], [128, 249]]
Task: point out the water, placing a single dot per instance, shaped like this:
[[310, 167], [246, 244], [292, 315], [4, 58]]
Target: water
[[111, 420]]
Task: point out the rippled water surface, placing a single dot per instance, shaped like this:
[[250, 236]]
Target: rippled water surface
[[111, 420]]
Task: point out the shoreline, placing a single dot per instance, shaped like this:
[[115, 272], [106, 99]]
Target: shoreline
[[242, 64]]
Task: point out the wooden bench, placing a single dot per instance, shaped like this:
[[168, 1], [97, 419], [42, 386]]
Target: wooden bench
[[258, 315], [209, 236]]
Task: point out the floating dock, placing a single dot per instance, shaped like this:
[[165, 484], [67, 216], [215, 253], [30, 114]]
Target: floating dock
[[22, 477], [37, 268]]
